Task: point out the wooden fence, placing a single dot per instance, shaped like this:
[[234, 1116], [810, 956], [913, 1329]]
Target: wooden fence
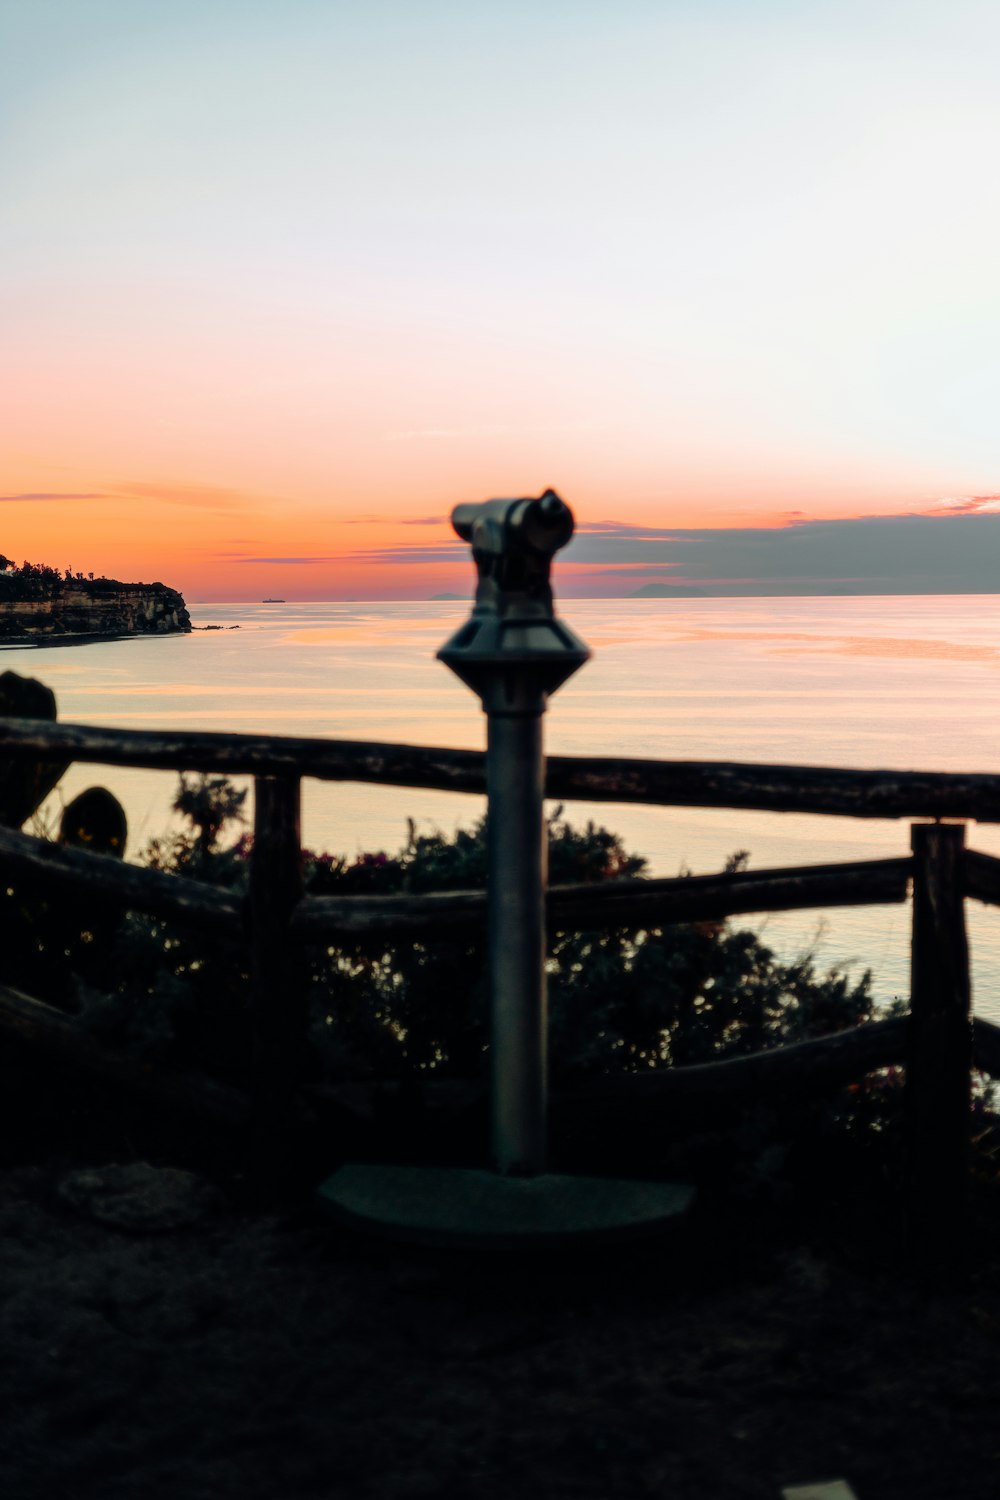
[[937, 1043]]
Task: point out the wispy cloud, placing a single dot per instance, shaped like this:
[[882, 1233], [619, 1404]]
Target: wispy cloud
[[446, 552], [168, 492], [191, 493], [622, 529], [645, 570], [392, 521], [964, 505], [956, 552], [296, 561], [44, 495]]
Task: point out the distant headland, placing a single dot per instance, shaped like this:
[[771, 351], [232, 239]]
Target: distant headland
[[41, 606]]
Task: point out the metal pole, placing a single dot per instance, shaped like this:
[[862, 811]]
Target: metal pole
[[514, 654], [517, 871], [939, 1059]]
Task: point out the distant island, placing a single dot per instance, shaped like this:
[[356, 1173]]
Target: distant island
[[39, 605]]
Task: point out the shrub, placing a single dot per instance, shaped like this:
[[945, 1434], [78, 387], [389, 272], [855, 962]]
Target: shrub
[[629, 999]]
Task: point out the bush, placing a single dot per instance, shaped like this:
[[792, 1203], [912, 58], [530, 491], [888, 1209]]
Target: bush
[[630, 999]]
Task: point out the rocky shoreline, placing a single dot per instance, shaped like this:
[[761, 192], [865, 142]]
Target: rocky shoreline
[[79, 611]]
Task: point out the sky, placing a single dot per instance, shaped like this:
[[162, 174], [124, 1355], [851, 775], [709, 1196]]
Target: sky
[[281, 283]]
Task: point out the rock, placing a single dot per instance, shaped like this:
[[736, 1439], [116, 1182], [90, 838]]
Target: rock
[[23, 783], [137, 1197]]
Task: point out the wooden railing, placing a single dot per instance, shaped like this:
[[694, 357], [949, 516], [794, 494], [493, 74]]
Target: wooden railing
[[937, 1042]]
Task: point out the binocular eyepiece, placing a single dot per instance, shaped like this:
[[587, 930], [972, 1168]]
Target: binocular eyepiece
[[541, 525]]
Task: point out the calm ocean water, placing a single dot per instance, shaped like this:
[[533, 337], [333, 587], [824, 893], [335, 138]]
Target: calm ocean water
[[906, 683]]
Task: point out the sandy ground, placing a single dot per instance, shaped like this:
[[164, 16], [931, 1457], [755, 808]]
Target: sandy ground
[[277, 1356]]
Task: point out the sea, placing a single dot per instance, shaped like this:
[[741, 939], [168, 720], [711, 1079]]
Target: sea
[[910, 683]]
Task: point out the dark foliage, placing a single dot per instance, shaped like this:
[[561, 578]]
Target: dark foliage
[[29, 581], [51, 946], [49, 943], [625, 1000], [33, 581]]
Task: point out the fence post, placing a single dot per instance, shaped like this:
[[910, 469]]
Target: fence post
[[277, 992], [939, 1058]]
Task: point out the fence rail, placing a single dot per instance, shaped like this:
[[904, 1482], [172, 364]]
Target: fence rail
[[312, 919], [193, 902], [982, 877], [276, 919], [677, 783]]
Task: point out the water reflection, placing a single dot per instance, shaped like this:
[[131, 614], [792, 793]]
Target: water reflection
[[851, 682]]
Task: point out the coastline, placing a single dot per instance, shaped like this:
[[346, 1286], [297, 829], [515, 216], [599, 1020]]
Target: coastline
[[83, 638], [39, 608]]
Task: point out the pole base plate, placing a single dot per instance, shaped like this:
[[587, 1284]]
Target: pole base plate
[[462, 1208]]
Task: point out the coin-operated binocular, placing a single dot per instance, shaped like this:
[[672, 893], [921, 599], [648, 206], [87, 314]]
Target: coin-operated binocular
[[513, 651]]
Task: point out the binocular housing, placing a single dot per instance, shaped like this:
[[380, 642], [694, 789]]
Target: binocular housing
[[541, 525], [513, 651]]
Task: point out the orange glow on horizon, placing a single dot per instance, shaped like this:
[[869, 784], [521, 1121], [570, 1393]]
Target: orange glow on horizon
[[221, 541], [277, 296]]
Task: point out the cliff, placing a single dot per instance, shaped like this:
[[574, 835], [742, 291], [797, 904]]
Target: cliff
[[98, 607]]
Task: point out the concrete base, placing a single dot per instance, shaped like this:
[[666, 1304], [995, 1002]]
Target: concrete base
[[448, 1206]]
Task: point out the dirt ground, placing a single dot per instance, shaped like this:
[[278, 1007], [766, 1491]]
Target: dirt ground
[[280, 1356]]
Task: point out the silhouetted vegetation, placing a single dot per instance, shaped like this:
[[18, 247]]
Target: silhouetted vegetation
[[385, 1010], [39, 581], [49, 944], [29, 581], [627, 1000]]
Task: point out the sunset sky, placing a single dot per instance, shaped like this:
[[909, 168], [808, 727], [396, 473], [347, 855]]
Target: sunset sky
[[284, 282]]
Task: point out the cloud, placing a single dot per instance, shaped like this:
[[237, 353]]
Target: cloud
[[455, 552], [642, 570], [940, 554], [84, 495], [964, 505], [191, 493], [392, 521], [590, 542], [621, 529], [168, 491], [296, 561]]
